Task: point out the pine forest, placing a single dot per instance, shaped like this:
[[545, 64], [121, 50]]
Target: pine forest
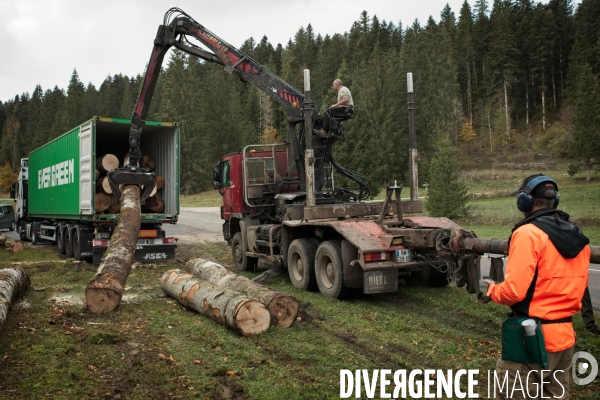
[[498, 82]]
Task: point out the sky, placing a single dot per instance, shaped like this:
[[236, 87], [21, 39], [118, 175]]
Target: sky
[[43, 41]]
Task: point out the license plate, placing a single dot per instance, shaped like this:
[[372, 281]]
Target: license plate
[[145, 241], [103, 235], [404, 255], [381, 281]]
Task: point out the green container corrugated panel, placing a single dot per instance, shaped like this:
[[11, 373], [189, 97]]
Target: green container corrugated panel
[[62, 172], [54, 176]]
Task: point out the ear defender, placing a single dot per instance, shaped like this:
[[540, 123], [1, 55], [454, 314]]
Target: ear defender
[[525, 199]]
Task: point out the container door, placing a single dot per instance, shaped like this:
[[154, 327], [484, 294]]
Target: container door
[[86, 170]]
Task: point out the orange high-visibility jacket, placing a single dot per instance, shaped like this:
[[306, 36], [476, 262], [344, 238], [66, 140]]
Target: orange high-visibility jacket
[[559, 284]]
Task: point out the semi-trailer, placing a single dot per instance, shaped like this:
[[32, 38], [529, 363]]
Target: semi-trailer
[[56, 191]]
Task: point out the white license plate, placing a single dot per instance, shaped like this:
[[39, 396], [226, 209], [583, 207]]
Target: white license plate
[[404, 255], [145, 241]]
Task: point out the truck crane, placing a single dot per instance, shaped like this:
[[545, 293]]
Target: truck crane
[[280, 203]]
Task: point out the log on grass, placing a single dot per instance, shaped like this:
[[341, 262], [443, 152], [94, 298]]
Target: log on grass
[[13, 282], [103, 186], [103, 293], [16, 246], [102, 202], [233, 309], [107, 162], [282, 307]]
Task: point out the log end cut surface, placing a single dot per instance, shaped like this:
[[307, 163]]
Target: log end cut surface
[[284, 310], [252, 318], [103, 297]]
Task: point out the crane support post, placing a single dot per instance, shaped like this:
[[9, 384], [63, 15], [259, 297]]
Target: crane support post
[[412, 138], [310, 155]]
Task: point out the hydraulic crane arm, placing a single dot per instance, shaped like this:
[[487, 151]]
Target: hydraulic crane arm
[[176, 34]]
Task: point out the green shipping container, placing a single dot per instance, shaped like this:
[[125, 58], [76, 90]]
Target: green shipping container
[[62, 173]]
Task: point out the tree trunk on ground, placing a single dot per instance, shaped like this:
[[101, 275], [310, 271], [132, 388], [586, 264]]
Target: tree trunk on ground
[[16, 246], [102, 202], [13, 282], [147, 163], [102, 185], [233, 309], [107, 163], [154, 203], [103, 293], [282, 307]]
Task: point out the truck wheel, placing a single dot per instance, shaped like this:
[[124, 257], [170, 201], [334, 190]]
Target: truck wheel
[[77, 245], [68, 242], [13, 226], [329, 269], [301, 264], [60, 240], [238, 251], [22, 230]]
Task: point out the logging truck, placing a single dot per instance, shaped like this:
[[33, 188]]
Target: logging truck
[[62, 195]]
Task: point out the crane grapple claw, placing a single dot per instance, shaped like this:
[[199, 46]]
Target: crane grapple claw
[[132, 175]]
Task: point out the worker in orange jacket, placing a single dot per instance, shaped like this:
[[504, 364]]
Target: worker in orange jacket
[[546, 276]]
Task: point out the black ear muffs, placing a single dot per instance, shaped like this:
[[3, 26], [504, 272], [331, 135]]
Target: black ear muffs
[[525, 199]]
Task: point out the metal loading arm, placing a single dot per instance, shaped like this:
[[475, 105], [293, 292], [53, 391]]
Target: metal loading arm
[[175, 33]]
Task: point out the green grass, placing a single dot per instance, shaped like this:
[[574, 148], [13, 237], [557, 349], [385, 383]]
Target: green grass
[[153, 347], [209, 198]]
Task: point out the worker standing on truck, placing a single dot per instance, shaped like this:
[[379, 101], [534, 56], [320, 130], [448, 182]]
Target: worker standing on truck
[[344, 105], [546, 276]]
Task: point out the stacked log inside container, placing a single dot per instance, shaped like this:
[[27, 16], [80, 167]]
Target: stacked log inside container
[[108, 203]]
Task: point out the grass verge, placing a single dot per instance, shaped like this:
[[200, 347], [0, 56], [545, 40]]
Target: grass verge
[[152, 347]]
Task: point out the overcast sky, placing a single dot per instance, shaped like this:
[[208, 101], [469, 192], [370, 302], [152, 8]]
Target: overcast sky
[[43, 41]]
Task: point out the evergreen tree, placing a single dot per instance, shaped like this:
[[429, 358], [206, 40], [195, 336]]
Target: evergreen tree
[[586, 120], [447, 194]]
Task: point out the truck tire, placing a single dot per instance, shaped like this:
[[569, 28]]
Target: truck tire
[[77, 245], [238, 252], [329, 269], [301, 264], [68, 241], [60, 239]]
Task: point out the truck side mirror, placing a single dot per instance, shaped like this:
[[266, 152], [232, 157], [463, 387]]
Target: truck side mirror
[[217, 176], [13, 192]]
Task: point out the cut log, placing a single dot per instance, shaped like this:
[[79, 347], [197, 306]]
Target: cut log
[[102, 202], [160, 181], [106, 163], [154, 204], [115, 205], [13, 283], [126, 160], [282, 307], [16, 246], [233, 309], [103, 293], [103, 186], [147, 163]]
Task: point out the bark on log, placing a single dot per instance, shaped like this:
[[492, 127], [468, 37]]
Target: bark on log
[[103, 293], [102, 202], [13, 282], [282, 307], [233, 309], [97, 173], [106, 163], [103, 186], [160, 181], [147, 163], [154, 204]]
